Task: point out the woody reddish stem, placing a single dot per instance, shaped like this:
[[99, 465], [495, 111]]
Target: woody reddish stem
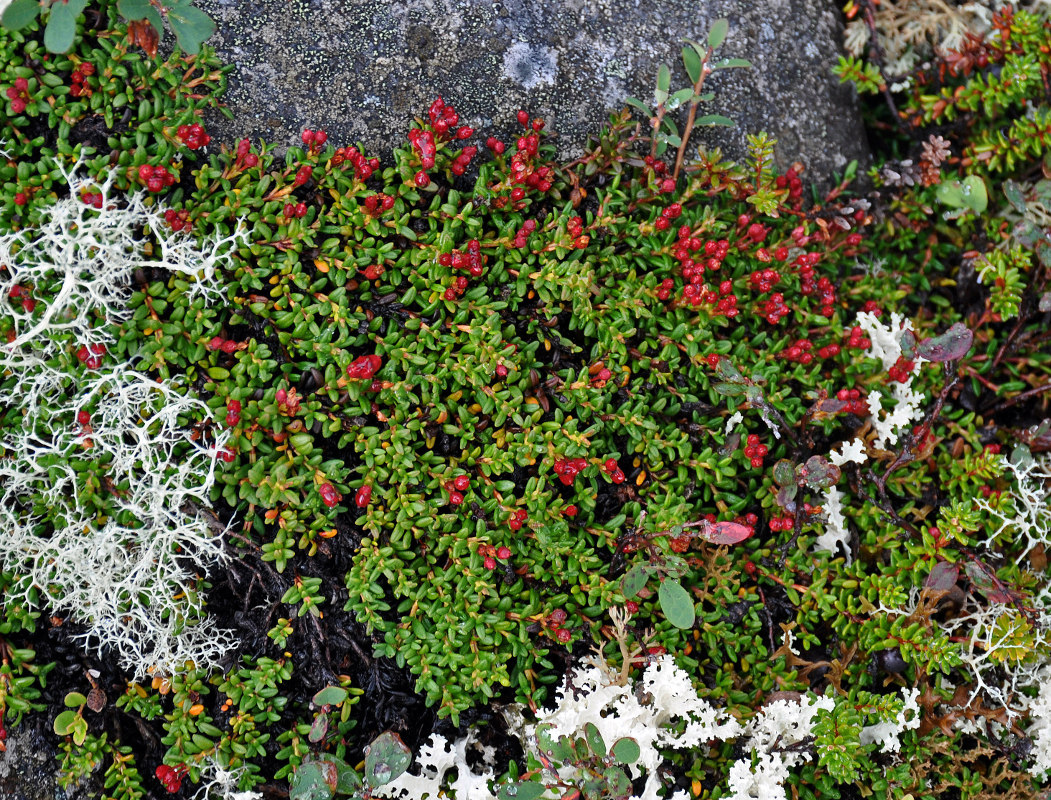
[[691, 116]]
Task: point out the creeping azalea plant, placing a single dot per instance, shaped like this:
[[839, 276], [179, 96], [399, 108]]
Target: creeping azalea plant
[[646, 474]]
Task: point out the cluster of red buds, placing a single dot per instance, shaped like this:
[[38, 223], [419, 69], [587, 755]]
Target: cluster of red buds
[[755, 451], [790, 180], [233, 412], [192, 136], [444, 119], [245, 158], [611, 468], [314, 140], [518, 519], [295, 210], [91, 355], [856, 404], [495, 145], [575, 228], [668, 215], [363, 167], [456, 488], [227, 346], [522, 236], [773, 308], [902, 370], [155, 179], [763, 280], [799, 352], [378, 203], [177, 220], [19, 95], [857, 339], [79, 80], [287, 402], [364, 367], [555, 620], [491, 554], [17, 292], [171, 777], [567, 469], [470, 260]]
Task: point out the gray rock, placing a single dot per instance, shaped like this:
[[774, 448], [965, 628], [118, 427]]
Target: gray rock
[[29, 767], [362, 69]]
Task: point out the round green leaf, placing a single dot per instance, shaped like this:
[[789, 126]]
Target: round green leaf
[[330, 696], [19, 14], [632, 582], [386, 759], [676, 604], [626, 750]]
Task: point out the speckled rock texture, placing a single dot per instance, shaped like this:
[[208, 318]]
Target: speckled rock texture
[[361, 69]]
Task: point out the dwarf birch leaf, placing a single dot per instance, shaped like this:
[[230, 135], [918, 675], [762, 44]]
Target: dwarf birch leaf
[[949, 346], [626, 750], [631, 584], [676, 604], [717, 35], [727, 533], [943, 576]]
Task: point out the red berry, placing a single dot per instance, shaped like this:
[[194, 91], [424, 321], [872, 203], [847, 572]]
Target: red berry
[[570, 511], [225, 454], [523, 117], [251, 160], [421, 179], [363, 496], [564, 636], [558, 616], [490, 562], [503, 553], [21, 199], [83, 417], [18, 105], [631, 606], [461, 483], [455, 498], [303, 175]]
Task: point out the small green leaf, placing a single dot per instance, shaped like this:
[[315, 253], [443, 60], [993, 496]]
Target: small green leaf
[[717, 35], [732, 63], [949, 346], [64, 722], [1013, 192], [309, 782], [520, 790], [133, 9], [19, 14], [591, 733], [676, 604], [191, 26], [692, 61], [75, 700], [626, 750], [714, 119], [386, 759], [635, 578], [318, 729], [330, 696], [62, 25]]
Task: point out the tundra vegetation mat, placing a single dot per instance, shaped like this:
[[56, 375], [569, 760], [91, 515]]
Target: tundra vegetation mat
[[467, 470]]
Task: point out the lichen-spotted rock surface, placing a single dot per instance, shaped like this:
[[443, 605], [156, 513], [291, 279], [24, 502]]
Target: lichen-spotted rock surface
[[361, 69]]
